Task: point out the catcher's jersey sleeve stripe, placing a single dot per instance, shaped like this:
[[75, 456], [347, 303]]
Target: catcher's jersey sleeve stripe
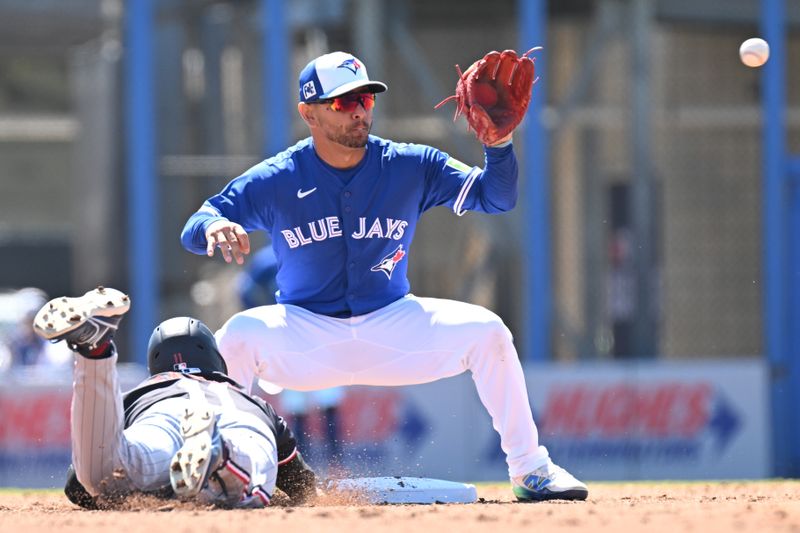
[[462, 195]]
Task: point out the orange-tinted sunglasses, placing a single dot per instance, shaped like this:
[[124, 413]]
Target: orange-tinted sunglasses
[[348, 103]]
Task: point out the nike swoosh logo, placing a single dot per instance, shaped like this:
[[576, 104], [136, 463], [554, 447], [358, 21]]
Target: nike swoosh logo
[[302, 194]]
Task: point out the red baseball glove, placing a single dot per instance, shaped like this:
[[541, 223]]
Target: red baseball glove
[[494, 93]]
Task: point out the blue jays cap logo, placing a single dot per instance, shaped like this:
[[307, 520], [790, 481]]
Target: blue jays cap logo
[[333, 75], [390, 261], [351, 64]]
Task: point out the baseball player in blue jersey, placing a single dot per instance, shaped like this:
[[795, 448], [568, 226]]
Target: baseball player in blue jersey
[[342, 207]]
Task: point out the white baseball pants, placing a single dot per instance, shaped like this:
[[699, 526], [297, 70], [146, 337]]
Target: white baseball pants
[[410, 341], [108, 459]]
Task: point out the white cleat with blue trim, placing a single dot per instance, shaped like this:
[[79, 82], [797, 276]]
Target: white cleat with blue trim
[[548, 482]]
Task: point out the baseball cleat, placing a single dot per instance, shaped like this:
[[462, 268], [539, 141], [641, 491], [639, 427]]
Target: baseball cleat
[[200, 454], [85, 322], [548, 482], [202, 470]]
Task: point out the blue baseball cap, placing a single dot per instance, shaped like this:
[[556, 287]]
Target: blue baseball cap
[[333, 75]]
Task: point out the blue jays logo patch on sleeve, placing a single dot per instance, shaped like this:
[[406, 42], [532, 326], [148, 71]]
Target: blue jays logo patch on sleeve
[[390, 261]]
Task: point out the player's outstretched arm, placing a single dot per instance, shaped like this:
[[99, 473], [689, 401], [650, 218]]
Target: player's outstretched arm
[[230, 238]]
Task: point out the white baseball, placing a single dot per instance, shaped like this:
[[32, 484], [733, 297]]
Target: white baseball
[[754, 52]]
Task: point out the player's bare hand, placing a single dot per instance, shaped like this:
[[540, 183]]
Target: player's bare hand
[[230, 238]]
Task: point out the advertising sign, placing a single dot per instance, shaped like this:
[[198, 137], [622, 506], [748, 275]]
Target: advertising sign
[[609, 421]]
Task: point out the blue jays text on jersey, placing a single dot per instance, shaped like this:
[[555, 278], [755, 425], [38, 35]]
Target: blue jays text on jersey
[[342, 237], [329, 227]]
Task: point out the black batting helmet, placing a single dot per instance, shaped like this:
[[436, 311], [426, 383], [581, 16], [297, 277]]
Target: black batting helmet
[[183, 344]]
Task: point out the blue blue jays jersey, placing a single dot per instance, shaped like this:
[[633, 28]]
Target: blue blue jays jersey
[[342, 239]]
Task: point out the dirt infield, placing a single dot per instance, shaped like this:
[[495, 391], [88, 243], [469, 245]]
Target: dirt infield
[[703, 507]]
